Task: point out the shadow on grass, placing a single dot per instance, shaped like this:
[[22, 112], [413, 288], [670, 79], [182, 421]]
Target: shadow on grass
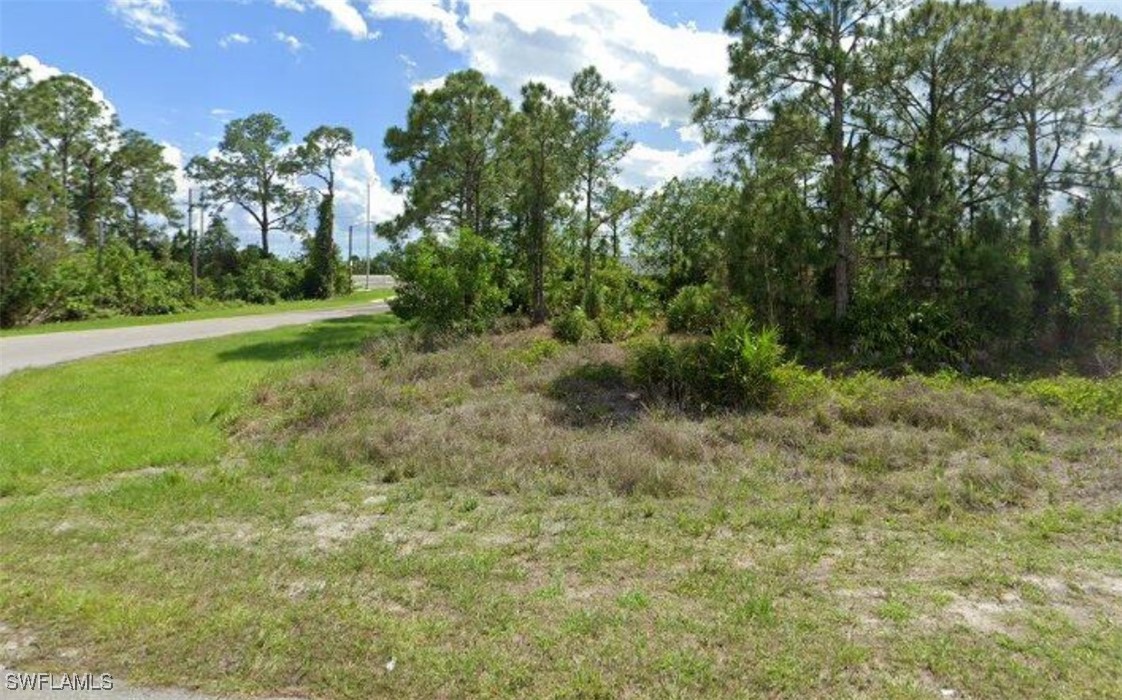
[[594, 395], [322, 338]]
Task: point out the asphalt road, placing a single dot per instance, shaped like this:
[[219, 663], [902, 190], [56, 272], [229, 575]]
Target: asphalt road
[[52, 348]]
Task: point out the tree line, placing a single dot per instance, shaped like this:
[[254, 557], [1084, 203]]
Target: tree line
[[930, 184], [90, 225], [923, 183]]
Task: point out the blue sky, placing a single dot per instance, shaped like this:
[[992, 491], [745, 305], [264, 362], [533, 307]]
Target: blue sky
[[178, 69]]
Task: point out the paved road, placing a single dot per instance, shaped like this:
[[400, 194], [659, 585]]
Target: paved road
[[51, 348]]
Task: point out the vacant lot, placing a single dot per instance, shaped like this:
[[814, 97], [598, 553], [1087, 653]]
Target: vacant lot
[[509, 517]]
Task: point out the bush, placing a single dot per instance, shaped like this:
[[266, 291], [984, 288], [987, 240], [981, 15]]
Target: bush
[[615, 327], [266, 280], [574, 327], [656, 365], [1095, 307], [452, 286], [125, 283], [737, 368], [28, 254], [619, 291], [892, 331], [695, 309]]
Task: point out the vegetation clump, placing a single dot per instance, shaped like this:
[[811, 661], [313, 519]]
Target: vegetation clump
[[735, 368]]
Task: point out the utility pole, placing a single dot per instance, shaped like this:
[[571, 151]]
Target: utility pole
[[195, 247], [351, 249], [368, 232]]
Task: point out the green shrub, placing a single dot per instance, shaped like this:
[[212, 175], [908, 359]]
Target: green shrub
[[266, 280], [124, 283], [450, 286], [538, 351], [893, 330], [655, 365], [28, 253], [1095, 306], [737, 368], [1079, 395], [695, 309], [573, 326]]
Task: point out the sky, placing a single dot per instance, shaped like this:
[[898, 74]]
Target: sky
[[180, 69]]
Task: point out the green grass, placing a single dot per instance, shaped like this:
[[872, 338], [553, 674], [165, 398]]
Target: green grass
[[209, 312], [509, 517], [151, 408]]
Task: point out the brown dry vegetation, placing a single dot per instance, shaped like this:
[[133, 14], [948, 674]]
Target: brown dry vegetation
[[518, 413]]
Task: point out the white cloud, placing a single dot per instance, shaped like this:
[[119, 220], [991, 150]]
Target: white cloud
[[232, 39], [428, 85], [153, 21], [654, 66], [352, 174], [345, 17], [435, 13], [174, 156], [293, 43], [645, 166], [691, 133]]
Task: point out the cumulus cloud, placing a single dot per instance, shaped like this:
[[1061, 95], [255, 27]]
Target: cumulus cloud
[[648, 167], [291, 42], [352, 174], [152, 21], [233, 40], [345, 17], [439, 15], [174, 155], [429, 84], [654, 66]]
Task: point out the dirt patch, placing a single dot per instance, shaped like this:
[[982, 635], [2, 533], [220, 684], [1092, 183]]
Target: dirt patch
[[230, 533], [861, 603], [408, 542], [328, 530], [303, 588], [987, 616], [14, 644]]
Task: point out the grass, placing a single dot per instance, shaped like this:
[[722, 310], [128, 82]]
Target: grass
[[154, 408], [207, 312], [509, 517]]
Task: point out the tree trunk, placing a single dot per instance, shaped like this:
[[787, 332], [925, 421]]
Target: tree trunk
[[587, 275], [265, 230], [842, 216], [1035, 193], [843, 220]]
